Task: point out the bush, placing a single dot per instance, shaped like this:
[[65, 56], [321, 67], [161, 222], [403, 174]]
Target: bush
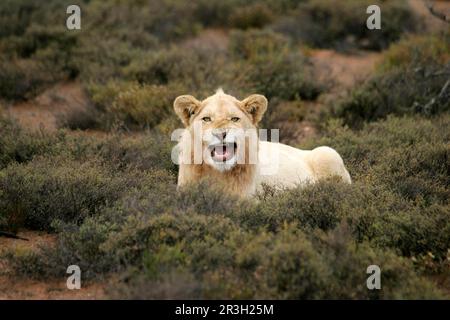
[[12, 22], [101, 60], [287, 265], [270, 67], [133, 105], [22, 79], [318, 24], [256, 61], [35, 194], [411, 78], [214, 13], [145, 106], [20, 146], [367, 147], [398, 92], [417, 51], [405, 161], [82, 119], [255, 15], [239, 13], [83, 238], [299, 243], [251, 44], [39, 57], [285, 111], [198, 69], [150, 151]]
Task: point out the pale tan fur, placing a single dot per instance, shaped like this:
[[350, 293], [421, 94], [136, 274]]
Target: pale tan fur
[[294, 166]]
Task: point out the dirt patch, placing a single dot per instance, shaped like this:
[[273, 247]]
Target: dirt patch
[[340, 72], [432, 23], [21, 289], [15, 288], [43, 111], [344, 70], [216, 38]]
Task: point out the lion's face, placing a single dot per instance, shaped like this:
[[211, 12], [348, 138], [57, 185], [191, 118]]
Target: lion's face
[[224, 125]]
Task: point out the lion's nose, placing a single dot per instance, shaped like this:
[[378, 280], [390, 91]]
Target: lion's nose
[[221, 135]]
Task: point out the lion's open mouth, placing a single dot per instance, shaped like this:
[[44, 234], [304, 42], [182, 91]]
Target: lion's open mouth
[[223, 152]]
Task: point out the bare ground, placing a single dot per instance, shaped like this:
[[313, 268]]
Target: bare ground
[[43, 111], [431, 23], [344, 70], [16, 288]]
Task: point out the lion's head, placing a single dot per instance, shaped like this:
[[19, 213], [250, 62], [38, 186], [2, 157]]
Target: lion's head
[[221, 122]]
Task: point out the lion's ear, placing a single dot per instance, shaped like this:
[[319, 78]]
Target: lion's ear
[[185, 107], [255, 105]]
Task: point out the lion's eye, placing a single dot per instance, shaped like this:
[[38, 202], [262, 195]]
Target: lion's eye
[[235, 119], [206, 119]]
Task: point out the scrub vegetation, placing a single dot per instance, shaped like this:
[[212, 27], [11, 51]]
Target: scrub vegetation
[[111, 198]]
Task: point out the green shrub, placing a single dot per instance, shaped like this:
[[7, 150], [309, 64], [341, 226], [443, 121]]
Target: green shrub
[[75, 245], [319, 24], [422, 170], [148, 152], [38, 193], [251, 44], [412, 77], [255, 15], [18, 145], [132, 105], [145, 106], [417, 51], [100, 60], [15, 16], [22, 78], [160, 19], [198, 70], [284, 111], [363, 150], [256, 61], [103, 95], [36, 58], [245, 250], [405, 161], [347, 260], [287, 265], [214, 13], [270, 66], [114, 204], [79, 119], [241, 14], [398, 92], [151, 150]]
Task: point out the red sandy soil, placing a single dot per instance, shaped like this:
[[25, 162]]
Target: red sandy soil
[[43, 111], [344, 70], [16, 288], [216, 38], [431, 23]]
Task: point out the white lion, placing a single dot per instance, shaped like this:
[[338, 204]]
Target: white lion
[[276, 164]]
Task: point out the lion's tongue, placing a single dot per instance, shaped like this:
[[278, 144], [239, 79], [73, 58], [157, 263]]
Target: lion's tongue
[[221, 153]]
